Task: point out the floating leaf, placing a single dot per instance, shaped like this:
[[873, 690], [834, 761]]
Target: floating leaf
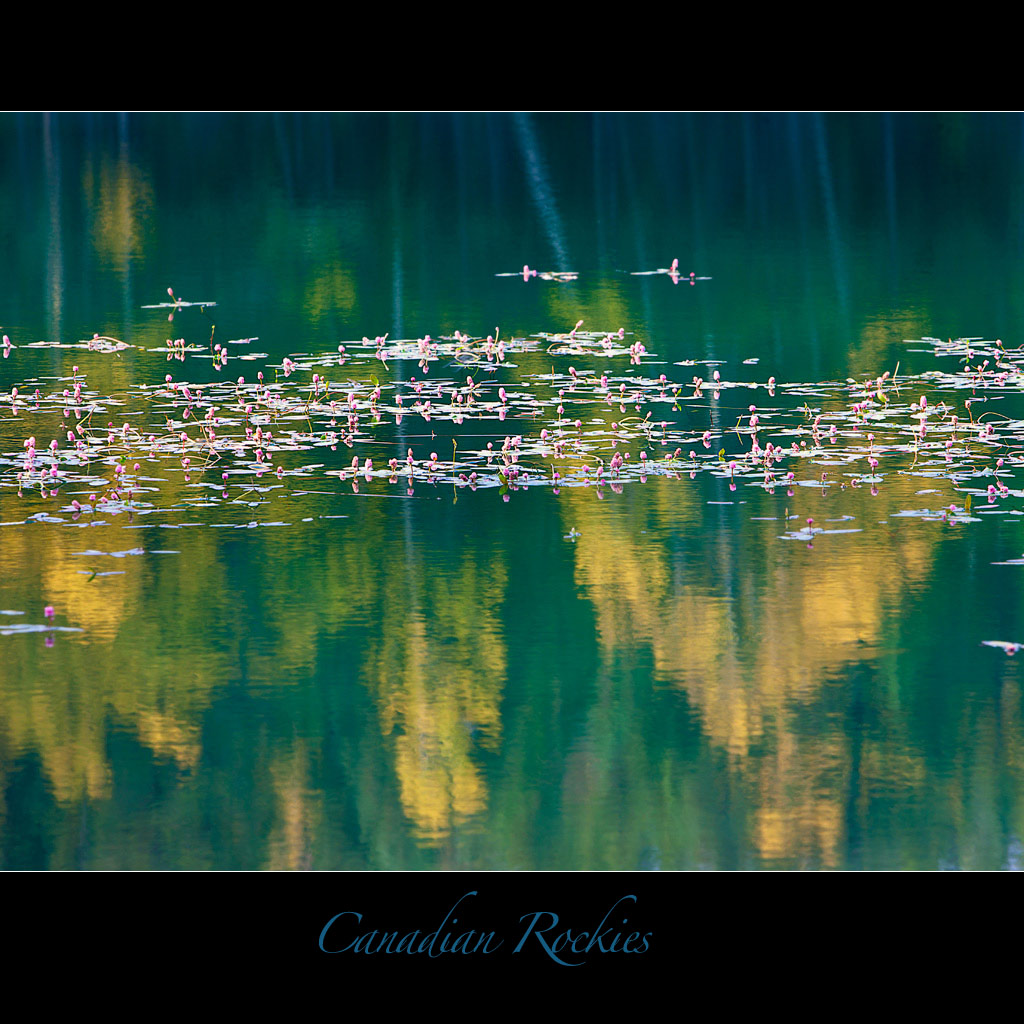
[[1009, 647]]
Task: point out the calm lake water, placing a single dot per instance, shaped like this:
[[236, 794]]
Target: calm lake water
[[242, 659]]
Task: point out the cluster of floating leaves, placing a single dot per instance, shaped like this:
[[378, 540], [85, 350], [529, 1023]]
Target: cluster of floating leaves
[[607, 424], [244, 439], [562, 276], [672, 272]]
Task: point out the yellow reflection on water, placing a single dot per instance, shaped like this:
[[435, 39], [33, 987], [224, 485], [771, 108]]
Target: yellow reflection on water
[[332, 288], [299, 810], [753, 644], [62, 703], [437, 675], [121, 195]]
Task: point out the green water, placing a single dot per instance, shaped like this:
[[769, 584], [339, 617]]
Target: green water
[[314, 676]]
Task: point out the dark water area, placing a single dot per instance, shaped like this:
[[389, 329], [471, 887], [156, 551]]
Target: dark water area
[[293, 665]]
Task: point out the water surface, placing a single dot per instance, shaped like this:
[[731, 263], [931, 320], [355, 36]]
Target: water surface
[[307, 671]]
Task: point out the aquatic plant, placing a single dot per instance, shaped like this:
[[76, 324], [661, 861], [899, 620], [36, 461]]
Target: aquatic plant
[[672, 272], [240, 427], [561, 276], [593, 409]]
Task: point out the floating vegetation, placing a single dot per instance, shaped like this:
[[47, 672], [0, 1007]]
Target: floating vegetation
[[177, 303], [112, 554], [94, 344], [671, 272], [429, 417], [544, 275], [28, 627], [1004, 645]]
